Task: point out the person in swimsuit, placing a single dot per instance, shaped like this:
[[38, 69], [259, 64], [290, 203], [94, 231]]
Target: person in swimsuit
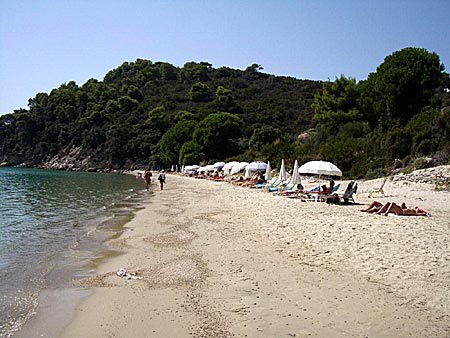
[[147, 178]]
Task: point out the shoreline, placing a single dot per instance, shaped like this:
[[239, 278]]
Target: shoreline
[[219, 260], [56, 302], [56, 309]]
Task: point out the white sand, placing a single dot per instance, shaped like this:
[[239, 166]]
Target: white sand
[[218, 260]]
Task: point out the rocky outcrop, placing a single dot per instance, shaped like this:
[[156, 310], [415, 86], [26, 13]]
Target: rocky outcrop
[[439, 176], [68, 160], [72, 159]]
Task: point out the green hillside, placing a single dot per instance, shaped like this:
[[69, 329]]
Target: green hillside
[[153, 113]]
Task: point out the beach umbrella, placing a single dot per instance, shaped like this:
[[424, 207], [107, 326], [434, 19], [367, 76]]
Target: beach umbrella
[[219, 165], [282, 171], [247, 173], [238, 167], [268, 175], [257, 166], [320, 168], [295, 178], [191, 168], [227, 167], [206, 168]]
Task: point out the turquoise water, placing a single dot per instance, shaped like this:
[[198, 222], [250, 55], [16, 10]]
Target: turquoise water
[[52, 224]]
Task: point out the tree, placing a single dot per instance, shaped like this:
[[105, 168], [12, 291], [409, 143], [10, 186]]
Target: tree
[[264, 135], [174, 138], [214, 133], [402, 85], [346, 148], [441, 137], [118, 149], [200, 92], [254, 68], [280, 149], [193, 71], [183, 116], [158, 119], [224, 99], [168, 71], [337, 104], [191, 153], [419, 129], [127, 104], [134, 93]]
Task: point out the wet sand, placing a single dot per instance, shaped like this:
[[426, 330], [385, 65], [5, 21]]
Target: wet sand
[[217, 260]]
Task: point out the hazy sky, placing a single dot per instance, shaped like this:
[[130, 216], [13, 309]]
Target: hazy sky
[[44, 43]]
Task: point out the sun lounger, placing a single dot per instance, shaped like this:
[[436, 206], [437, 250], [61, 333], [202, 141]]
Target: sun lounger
[[351, 189], [318, 196], [284, 189], [272, 183], [276, 185]]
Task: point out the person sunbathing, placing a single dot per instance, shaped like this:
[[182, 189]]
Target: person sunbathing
[[380, 208], [251, 182], [403, 210], [328, 193], [324, 190], [237, 180], [393, 208], [375, 206]]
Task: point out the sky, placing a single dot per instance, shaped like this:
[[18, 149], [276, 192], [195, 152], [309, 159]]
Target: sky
[[45, 43]]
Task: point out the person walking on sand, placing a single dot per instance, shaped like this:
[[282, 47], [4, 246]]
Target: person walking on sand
[[162, 179], [147, 178]]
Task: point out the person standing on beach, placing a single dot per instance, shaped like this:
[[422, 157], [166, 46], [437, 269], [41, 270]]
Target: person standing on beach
[[147, 178], [162, 179]]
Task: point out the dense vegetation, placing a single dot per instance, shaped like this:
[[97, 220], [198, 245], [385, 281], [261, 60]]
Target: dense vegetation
[[146, 113]]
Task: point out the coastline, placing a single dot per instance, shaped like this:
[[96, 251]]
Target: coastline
[[220, 260], [58, 297], [55, 310]]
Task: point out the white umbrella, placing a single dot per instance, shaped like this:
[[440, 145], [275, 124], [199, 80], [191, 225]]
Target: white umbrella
[[257, 166], [295, 178], [268, 175], [320, 168], [219, 165], [227, 167], [282, 171], [238, 167], [206, 168], [247, 173], [190, 168]]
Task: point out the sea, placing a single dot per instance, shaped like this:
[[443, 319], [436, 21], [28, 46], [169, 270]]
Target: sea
[[53, 226]]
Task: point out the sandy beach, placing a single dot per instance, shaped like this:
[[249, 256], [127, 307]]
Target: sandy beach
[[216, 260]]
